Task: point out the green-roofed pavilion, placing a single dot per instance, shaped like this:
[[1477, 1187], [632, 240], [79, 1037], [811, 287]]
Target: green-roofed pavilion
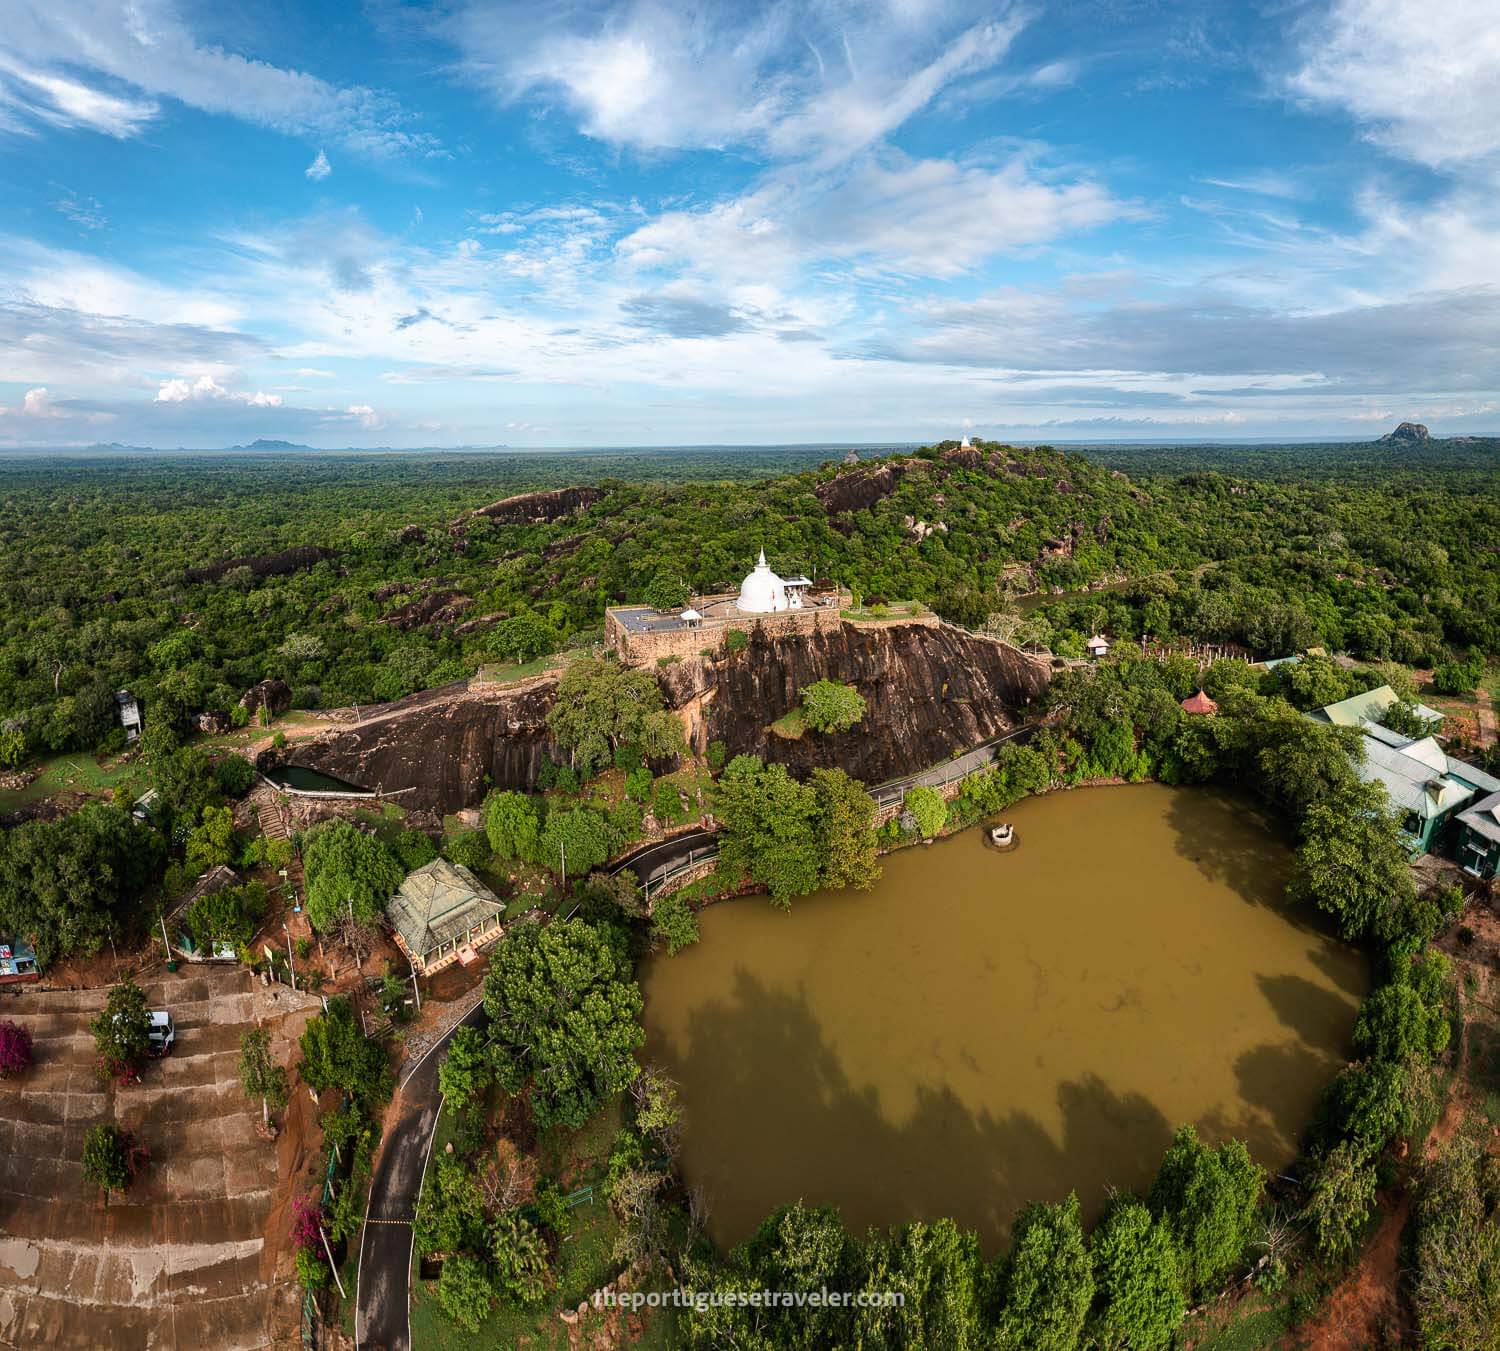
[[441, 910]]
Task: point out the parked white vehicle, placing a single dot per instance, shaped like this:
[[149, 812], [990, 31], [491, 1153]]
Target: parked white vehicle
[[163, 1032]]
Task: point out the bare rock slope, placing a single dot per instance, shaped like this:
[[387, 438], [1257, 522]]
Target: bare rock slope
[[930, 690]]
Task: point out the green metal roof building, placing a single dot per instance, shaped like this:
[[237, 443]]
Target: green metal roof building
[[441, 912]]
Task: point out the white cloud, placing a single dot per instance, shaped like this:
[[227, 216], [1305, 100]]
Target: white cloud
[[48, 47], [38, 404], [795, 77], [59, 101], [183, 389], [365, 416], [319, 169], [1422, 78]]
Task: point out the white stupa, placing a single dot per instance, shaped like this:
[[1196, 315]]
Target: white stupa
[[762, 592]]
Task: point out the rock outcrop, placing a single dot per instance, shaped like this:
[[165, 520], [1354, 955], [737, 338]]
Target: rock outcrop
[[1406, 434], [539, 508], [295, 559], [859, 489], [275, 695], [930, 690]]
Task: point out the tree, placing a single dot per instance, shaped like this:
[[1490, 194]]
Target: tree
[[1352, 863], [349, 875], [465, 1290], [564, 1017], [71, 884], [520, 1255], [1047, 1283], [466, 1072], [844, 825], [1395, 1023], [609, 896], [450, 1211], [228, 915], [122, 1030], [110, 1158], [1365, 1104], [1307, 761], [1208, 1199], [766, 828], [828, 706], [927, 810], [937, 1269], [1140, 1302], [600, 705], [336, 1054], [236, 775], [1457, 677], [574, 841], [523, 637], [1340, 1196], [511, 824], [15, 1048], [261, 1076], [657, 1113], [673, 923], [666, 592]]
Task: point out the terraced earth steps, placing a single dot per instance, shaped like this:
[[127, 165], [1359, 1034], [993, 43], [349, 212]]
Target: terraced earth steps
[[180, 1260]]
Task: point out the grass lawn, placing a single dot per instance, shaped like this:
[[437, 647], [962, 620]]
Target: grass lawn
[[1250, 1330], [77, 772], [792, 726]]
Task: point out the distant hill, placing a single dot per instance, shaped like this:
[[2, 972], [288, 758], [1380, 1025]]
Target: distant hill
[[264, 444]]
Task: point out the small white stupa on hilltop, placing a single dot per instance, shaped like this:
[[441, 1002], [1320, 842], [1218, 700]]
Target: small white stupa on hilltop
[[964, 445], [763, 592]]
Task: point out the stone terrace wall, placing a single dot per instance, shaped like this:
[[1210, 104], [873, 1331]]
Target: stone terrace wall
[[644, 649]]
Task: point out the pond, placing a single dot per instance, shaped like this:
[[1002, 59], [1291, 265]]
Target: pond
[[310, 780], [986, 1029]]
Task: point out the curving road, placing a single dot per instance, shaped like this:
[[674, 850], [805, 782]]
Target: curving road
[[656, 860], [383, 1286]]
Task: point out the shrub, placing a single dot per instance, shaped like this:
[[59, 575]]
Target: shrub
[[829, 706], [469, 849], [674, 923], [465, 1291], [236, 775], [736, 640], [15, 1048], [927, 810], [111, 1158], [122, 1031]]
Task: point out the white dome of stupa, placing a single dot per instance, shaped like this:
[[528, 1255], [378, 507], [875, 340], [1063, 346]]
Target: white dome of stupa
[[762, 592]]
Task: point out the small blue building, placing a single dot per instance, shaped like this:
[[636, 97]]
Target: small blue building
[[18, 961]]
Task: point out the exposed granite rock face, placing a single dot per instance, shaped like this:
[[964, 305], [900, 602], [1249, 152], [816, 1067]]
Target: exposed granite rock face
[[436, 609], [1407, 433], [442, 743], [537, 508], [296, 558], [930, 691], [273, 694], [860, 489]]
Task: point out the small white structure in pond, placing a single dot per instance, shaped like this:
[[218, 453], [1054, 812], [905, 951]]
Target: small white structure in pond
[[1098, 646], [129, 709], [763, 592]]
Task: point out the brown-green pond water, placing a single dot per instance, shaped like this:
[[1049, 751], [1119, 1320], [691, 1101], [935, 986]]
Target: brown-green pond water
[[986, 1029]]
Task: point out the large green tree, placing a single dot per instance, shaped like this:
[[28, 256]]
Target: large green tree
[[1351, 863], [1047, 1281], [512, 825], [337, 1054], [563, 1017], [844, 825], [767, 828], [828, 706], [1208, 1199], [350, 875], [1139, 1302], [601, 705]]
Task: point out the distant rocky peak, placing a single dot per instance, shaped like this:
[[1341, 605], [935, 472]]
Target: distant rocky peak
[[1407, 432]]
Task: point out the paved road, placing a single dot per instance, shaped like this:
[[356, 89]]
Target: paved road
[[383, 1294], [649, 863]]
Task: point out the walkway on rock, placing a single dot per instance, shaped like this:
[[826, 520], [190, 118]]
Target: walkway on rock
[[383, 1285], [656, 861]]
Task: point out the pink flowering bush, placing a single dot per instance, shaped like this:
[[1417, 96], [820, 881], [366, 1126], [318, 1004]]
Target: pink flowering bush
[[307, 1217], [15, 1048]]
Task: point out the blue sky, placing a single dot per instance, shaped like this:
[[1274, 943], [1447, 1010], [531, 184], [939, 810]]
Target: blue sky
[[816, 220]]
